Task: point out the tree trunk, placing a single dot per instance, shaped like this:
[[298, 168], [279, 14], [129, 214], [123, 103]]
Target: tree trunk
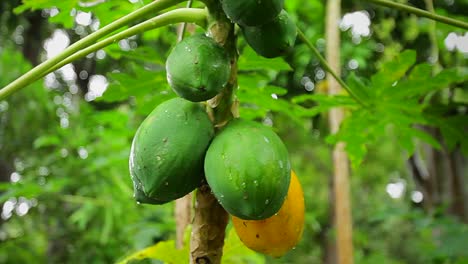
[[208, 231], [183, 215], [343, 221], [210, 220]]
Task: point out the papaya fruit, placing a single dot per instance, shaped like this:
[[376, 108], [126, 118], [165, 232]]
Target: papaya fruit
[[198, 68], [247, 167], [167, 153], [274, 38], [252, 12], [278, 234]]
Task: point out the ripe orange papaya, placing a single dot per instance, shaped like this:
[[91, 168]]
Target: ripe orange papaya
[[278, 234]]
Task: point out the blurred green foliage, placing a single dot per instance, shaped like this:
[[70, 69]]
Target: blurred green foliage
[[65, 158]]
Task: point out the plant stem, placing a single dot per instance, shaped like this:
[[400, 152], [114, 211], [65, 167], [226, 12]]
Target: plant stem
[[420, 12], [181, 34], [31, 75], [210, 219], [192, 15], [328, 68]]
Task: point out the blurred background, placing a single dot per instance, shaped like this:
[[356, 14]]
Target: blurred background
[[65, 189]]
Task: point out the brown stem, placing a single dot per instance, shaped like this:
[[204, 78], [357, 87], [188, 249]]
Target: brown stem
[[458, 193], [208, 231], [343, 220], [183, 214]]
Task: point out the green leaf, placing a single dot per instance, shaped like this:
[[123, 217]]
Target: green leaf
[[138, 83], [47, 141], [392, 71], [164, 251], [64, 7], [235, 251], [362, 90], [250, 61]]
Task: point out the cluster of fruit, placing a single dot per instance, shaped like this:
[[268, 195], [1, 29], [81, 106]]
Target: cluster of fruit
[[266, 26], [245, 163]]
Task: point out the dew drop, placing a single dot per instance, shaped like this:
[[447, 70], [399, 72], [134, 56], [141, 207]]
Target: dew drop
[[267, 201], [244, 185], [158, 158], [166, 183], [256, 183]]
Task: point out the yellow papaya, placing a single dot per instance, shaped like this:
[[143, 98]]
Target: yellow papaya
[[279, 233]]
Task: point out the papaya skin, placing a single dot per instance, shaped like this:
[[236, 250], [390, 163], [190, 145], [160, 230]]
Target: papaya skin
[[276, 235], [198, 68], [252, 12], [247, 167], [273, 39], [166, 158]]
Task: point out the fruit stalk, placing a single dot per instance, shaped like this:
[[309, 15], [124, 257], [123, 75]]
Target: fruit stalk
[[191, 15], [40, 69], [210, 219]]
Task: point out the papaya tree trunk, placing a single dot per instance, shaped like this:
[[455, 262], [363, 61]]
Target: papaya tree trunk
[[183, 214], [343, 222], [208, 231], [210, 220]]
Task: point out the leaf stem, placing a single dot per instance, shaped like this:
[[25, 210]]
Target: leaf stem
[[31, 75], [181, 34], [420, 12], [328, 68], [191, 15]]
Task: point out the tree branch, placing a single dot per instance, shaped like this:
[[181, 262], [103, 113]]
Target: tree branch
[[422, 13]]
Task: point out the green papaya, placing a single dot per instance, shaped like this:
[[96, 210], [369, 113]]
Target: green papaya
[[252, 12], [167, 153], [272, 39], [247, 167], [198, 68]]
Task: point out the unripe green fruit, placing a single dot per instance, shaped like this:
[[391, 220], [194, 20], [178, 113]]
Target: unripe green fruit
[[252, 12], [198, 68], [272, 39], [168, 150], [247, 167]]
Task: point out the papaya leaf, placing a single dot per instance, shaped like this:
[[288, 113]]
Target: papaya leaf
[[164, 251], [250, 61], [392, 71], [235, 251], [124, 85], [360, 88]]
